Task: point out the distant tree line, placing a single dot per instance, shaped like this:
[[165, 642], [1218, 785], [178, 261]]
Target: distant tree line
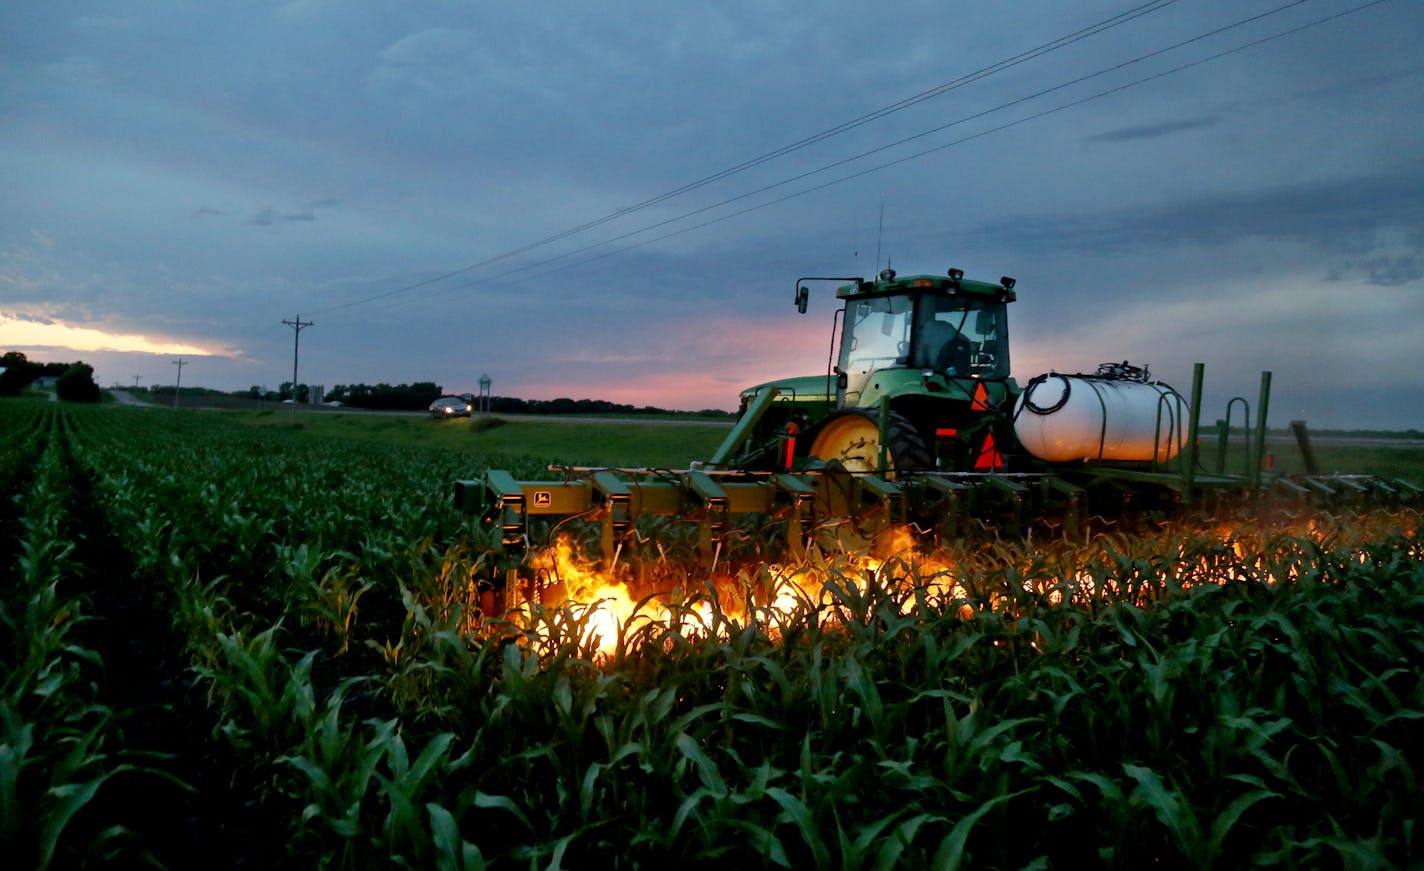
[[418, 396], [283, 391], [75, 381], [169, 390], [385, 397], [564, 405]]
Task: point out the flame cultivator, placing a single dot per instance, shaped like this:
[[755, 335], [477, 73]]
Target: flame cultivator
[[918, 424]]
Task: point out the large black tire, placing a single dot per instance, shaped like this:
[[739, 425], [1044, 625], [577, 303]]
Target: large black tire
[[851, 437]]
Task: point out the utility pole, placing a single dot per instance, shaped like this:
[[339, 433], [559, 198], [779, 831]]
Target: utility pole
[[177, 388], [297, 326], [136, 377]]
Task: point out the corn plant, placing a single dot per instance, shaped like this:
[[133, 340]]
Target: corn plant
[[57, 744], [1233, 691]]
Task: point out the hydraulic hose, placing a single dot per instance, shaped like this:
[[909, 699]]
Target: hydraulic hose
[[1030, 405]]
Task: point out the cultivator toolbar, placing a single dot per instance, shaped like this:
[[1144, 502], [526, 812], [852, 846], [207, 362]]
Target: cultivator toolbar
[[837, 510], [828, 506], [617, 499]]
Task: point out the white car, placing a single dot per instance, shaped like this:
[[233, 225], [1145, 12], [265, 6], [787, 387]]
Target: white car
[[450, 406]]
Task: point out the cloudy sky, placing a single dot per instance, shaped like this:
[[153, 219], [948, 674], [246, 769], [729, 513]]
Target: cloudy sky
[[613, 200]]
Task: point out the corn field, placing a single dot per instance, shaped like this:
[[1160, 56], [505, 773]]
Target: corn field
[[231, 648]]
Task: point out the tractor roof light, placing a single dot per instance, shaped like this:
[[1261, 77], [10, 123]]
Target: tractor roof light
[[887, 274], [956, 274], [1007, 282]]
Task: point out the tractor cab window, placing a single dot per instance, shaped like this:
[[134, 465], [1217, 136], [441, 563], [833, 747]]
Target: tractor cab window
[[958, 336], [877, 336]]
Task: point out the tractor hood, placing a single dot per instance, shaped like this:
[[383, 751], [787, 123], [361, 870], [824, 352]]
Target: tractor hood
[[802, 388]]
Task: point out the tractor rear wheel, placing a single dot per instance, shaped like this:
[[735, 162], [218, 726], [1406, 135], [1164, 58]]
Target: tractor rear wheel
[[852, 438]]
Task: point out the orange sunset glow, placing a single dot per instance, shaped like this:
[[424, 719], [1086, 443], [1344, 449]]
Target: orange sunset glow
[[17, 332]]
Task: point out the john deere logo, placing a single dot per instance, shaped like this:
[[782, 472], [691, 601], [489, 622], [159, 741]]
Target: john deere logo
[[543, 498]]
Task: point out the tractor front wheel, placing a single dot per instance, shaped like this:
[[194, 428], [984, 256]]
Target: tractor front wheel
[[852, 438]]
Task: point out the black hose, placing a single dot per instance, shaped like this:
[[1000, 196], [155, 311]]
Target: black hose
[[1029, 404]]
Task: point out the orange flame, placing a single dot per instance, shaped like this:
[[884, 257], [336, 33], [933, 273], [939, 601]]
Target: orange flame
[[607, 603]]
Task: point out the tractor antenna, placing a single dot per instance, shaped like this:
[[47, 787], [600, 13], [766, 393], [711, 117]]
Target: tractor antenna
[[879, 234]]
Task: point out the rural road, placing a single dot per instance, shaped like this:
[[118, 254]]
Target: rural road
[[123, 397]]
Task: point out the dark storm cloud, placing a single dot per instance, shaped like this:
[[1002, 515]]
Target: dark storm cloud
[[1358, 84], [268, 216], [1384, 270], [1152, 131], [34, 319], [1347, 219]]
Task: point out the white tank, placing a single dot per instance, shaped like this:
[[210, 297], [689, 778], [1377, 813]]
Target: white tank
[[1064, 418]]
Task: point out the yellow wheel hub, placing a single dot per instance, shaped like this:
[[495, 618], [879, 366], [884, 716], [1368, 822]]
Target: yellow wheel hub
[[853, 440]]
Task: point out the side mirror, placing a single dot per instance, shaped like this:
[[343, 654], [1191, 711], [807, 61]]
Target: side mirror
[[802, 293], [985, 322]]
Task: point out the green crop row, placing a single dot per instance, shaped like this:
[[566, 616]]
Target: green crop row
[[60, 741], [1181, 699]]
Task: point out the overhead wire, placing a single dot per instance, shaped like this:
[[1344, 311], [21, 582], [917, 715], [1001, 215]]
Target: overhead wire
[[523, 269], [969, 78]]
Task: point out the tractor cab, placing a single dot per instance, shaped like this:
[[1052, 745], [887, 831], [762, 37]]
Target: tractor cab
[[921, 365], [939, 326]]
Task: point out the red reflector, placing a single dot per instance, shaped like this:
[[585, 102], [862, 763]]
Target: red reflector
[[946, 433], [989, 456], [981, 398]]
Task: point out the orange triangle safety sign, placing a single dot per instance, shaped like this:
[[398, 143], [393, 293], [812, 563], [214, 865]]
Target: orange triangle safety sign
[[989, 457], [980, 401]]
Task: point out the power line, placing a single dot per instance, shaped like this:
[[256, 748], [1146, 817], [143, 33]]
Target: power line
[[876, 115], [938, 90], [967, 118], [1005, 126], [940, 128], [524, 268]]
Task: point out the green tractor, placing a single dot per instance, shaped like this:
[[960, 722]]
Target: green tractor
[[916, 423], [920, 383]]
